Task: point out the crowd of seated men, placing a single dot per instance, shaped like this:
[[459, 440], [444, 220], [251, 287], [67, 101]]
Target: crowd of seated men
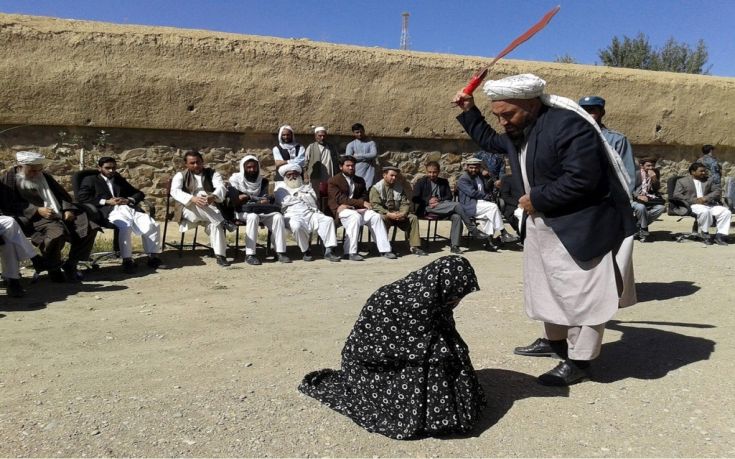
[[316, 190]]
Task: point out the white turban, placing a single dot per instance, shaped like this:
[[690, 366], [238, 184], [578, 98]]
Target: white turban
[[320, 128], [286, 168], [29, 158], [524, 86]]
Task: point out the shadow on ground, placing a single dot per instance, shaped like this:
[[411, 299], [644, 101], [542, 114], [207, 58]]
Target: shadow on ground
[[649, 353], [649, 291]]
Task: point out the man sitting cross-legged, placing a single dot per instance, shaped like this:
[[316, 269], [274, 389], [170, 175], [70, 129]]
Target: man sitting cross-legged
[[348, 201], [389, 199], [115, 199], [432, 195], [199, 189], [298, 204], [14, 248], [475, 198], [250, 198]]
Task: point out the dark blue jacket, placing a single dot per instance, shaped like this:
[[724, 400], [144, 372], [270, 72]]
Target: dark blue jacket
[[571, 181]]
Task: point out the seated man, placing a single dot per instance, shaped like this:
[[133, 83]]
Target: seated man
[[432, 195], [703, 196], [348, 201], [322, 162], [115, 199], [475, 196], [288, 151], [298, 203], [48, 215], [14, 247], [648, 204], [390, 200], [253, 205], [199, 189]]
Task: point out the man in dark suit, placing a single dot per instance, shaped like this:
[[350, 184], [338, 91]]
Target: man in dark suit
[[115, 200], [648, 204], [578, 211], [703, 197], [432, 195], [349, 202]]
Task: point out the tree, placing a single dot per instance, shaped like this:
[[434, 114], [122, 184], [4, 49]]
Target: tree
[[565, 59], [637, 53]]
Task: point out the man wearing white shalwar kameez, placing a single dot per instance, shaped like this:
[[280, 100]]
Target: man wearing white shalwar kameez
[[288, 151], [578, 221], [249, 187], [199, 189], [298, 204], [15, 247]]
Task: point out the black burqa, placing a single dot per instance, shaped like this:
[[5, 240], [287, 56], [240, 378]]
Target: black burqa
[[406, 372]]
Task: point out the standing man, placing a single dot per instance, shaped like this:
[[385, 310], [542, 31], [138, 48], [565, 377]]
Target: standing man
[[253, 205], [703, 196], [288, 151], [298, 203], [365, 153], [348, 201], [648, 204], [711, 163], [199, 190], [432, 195], [48, 215], [475, 195], [322, 163], [595, 106], [389, 200], [578, 211], [115, 199]]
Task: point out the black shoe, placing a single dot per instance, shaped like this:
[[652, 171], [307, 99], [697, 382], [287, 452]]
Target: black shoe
[[455, 249], [222, 261], [720, 239], [489, 246], [56, 276], [308, 256], [418, 251], [389, 255], [564, 374], [156, 263], [477, 234], [705, 238], [507, 238], [14, 289], [128, 265], [642, 236], [539, 348], [330, 255], [356, 257], [283, 258], [252, 260], [643, 232], [71, 274], [40, 264]]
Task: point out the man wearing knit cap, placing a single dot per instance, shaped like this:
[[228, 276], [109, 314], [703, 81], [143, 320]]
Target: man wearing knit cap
[[322, 163], [48, 215], [578, 219]]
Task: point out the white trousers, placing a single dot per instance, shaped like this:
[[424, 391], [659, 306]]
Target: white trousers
[[212, 219], [303, 225], [16, 247], [273, 221], [353, 220], [518, 213], [128, 221], [488, 215], [704, 215]]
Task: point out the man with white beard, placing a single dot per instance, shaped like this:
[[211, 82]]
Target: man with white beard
[[298, 204], [199, 189], [48, 215], [251, 201]]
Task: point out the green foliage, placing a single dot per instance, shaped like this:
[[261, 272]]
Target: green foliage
[[565, 59], [637, 53]]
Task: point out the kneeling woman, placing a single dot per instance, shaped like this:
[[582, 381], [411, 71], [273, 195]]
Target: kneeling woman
[[406, 372]]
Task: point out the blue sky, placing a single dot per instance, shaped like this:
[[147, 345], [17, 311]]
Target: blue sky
[[475, 28]]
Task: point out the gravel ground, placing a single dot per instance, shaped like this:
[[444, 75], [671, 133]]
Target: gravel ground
[[201, 361]]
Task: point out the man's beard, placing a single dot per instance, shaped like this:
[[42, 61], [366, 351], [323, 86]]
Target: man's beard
[[294, 183], [29, 184], [252, 177]]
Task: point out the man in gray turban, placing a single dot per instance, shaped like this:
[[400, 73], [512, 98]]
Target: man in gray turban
[[578, 219], [47, 214]]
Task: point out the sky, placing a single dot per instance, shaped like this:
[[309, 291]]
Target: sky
[[474, 28]]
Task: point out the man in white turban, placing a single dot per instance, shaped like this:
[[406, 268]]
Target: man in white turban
[[578, 219], [322, 162], [48, 215], [298, 204], [253, 205], [288, 150]]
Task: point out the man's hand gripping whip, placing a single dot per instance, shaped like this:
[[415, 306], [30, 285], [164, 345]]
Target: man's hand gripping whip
[[480, 74]]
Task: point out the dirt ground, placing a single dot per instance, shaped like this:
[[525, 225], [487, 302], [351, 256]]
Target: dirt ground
[[203, 361]]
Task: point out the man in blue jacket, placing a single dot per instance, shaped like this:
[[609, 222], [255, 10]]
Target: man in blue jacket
[[577, 214]]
